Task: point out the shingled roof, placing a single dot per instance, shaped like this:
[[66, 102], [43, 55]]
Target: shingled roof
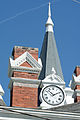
[[75, 108], [11, 113]]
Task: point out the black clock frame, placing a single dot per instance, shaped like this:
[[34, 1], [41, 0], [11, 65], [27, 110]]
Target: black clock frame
[[50, 103]]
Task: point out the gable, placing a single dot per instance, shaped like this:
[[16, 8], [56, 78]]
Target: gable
[[26, 64], [27, 59]]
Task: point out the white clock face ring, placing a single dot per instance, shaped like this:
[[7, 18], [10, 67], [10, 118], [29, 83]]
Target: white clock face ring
[[53, 95]]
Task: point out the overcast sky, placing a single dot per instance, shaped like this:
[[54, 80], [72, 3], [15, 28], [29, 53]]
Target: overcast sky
[[22, 23]]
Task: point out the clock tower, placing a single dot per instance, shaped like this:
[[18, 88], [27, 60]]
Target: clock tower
[[53, 85], [38, 82]]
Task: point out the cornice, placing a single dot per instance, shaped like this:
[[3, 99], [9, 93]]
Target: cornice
[[23, 80], [22, 69]]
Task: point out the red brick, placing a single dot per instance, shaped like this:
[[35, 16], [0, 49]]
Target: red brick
[[77, 99], [77, 87], [29, 100], [77, 71], [25, 75], [17, 51]]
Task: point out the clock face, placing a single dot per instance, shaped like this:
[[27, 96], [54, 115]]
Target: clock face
[[53, 95]]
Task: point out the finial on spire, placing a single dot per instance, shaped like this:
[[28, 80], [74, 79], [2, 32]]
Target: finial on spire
[[49, 12], [49, 23]]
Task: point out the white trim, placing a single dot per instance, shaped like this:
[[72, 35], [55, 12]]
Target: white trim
[[40, 62], [75, 81], [54, 79], [23, 69], [49, 24], [1, 94], [49, 28], [9, 118], [1, 90], [76, 93], [23, 80], [25, 85], [25, 57], [20, 60], [69, 95], [1, 98], [56, 83], [69, 91]]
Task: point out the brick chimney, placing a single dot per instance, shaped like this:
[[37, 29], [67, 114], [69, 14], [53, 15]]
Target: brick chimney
[[23, 71], [77, 71], [76, 84]]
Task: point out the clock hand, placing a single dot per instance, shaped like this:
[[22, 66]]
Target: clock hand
[[49, 92], [52, 93], [56, 93]]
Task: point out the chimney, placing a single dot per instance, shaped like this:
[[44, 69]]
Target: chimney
[[75, 85], [77, 71], [23, 71]]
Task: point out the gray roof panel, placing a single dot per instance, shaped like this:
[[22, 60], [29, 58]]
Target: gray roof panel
[[49, 57]]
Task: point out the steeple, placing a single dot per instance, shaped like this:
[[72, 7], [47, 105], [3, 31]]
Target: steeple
[[49, 23], [49, 54]]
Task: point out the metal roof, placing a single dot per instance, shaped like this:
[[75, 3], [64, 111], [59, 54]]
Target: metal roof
[[11, 113], [49, 57]]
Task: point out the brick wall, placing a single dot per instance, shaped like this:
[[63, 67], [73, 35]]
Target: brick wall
[[77, 87], [24, 97], [18, 50], [25, 75]]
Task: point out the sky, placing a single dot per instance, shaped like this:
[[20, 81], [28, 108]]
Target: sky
[[22, 23]]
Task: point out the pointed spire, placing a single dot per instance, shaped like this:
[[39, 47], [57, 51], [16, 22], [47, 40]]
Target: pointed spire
[[49, 54], [49, 23]]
